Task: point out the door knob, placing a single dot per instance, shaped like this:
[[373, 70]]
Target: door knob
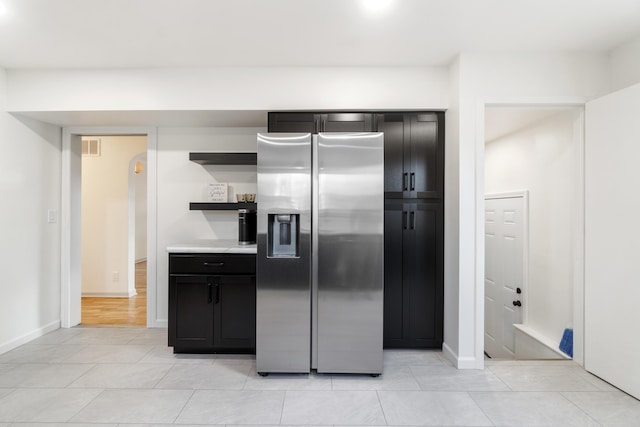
[[517, 303]]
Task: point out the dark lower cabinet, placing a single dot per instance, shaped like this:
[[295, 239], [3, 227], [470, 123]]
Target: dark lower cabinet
[[234, 317], [212, 303], [413, 285], [190, 312]]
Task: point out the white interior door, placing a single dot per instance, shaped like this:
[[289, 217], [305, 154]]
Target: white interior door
[[612, 239], [504, 272]]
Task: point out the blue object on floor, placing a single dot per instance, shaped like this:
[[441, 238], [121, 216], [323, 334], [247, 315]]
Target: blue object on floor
[[566, 344]]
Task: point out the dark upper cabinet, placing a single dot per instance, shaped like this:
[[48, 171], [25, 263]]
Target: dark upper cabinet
[[293, 122], [320, 122], [413, 293], [346, 122], [414, 154], [394, 127]]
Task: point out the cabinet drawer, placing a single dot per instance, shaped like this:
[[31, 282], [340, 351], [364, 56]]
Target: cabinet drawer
[[211, 264]]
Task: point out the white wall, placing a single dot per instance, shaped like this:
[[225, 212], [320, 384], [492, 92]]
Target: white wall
[[625, 64], [181, 181], [228, 88], [543, 159], [105, 216], [501, 79], [30, 246]]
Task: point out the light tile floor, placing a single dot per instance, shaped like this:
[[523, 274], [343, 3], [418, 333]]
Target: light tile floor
[[106, 377]]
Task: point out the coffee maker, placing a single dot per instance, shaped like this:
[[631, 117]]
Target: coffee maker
[[246, 226]]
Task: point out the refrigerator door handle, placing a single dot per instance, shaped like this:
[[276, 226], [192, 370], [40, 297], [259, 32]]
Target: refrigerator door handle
[[413, 181], [405, 177], [404, 220], [413, 220]]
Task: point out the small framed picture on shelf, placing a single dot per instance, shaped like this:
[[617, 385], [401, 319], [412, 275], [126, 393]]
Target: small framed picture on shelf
[[217, 192]]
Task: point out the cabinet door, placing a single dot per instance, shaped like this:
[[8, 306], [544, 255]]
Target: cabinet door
[[190, 312], [346, 122], [427, 156], [396, 178], [395, 220], [235, 313], [423, 274], [294, 122], [413, 292]]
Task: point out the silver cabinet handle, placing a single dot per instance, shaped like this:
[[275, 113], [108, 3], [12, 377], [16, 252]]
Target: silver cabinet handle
[[213, 264]]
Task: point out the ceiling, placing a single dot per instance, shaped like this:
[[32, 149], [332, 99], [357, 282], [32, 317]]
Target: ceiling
[[204, 33], [47, 34], [502, 121], [139, 118]]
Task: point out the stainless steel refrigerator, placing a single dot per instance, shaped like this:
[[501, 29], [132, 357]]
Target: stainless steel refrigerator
[[320, 236]]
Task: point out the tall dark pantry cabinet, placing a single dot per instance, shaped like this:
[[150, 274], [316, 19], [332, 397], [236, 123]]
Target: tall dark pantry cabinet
[[413, 225]]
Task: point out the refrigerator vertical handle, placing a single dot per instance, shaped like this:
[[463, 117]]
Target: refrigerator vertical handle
[[413, 220], [405, 177], [404, 220], [413, 181]]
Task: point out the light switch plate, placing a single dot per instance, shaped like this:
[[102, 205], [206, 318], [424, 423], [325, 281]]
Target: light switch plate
[[52, 216]]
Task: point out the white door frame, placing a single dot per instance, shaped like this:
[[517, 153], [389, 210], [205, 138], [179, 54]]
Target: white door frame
[[131, 208], [70, 219], [578, 244]]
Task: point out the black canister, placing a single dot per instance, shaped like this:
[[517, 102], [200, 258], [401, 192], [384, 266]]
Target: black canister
[[246, 226]]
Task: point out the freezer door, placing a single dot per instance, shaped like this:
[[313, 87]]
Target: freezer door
[[283, 270], [348, 271]]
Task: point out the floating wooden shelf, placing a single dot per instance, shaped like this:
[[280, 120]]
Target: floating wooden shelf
[[208, 206], [224, 158]]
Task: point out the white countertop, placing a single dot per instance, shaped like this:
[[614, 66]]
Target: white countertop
[[212, 246]]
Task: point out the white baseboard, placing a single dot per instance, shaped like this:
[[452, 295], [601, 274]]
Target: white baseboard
[[460, 362], [159, 324], [449, 354], [30, 336], [129, 294]]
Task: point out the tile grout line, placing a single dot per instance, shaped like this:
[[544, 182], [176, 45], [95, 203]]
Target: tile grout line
[[284, 399], [186, 402], [561, 393], [381, 407], [479, 407], [155, 386], [86, 405]]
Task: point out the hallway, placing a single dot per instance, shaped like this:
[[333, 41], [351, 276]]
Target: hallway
[[118, 311]]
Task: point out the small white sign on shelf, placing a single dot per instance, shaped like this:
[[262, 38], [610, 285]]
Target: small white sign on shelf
[[217, 192]]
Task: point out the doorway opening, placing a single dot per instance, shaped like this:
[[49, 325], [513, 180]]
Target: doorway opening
[[113, 205], [532, 241]]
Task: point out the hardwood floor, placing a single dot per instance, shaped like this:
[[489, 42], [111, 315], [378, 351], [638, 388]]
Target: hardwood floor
[[119, 311]]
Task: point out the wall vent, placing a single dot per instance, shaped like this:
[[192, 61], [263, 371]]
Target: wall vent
[[91, 147]]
